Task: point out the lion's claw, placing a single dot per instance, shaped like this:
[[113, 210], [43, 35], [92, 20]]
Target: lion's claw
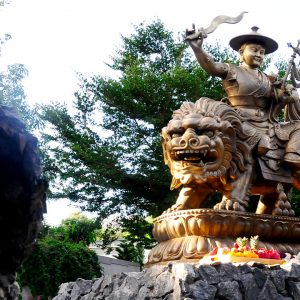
[[174, 207], [230, 204]]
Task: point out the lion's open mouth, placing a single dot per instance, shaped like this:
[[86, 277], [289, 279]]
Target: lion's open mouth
[[201, 156]]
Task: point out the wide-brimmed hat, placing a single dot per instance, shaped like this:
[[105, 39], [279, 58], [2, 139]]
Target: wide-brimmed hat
[[269, 44]]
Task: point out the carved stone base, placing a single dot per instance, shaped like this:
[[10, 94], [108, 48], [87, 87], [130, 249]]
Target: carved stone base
[[190, 234]]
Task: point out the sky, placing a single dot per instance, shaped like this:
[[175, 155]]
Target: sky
[[54, 39]]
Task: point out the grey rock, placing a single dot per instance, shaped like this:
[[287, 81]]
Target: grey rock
[[186, 272], [163, 285], [294, 289], [248, 286], [181, 288], [80, 288], [295, 272], [201, 290], [66, 288], [107, 280], [122, 294], [209, 274], [268, 291], [97, 285], [132, 284], [149, 275], [260, 277], [281, 297], [14, 291], [61, 297], [257, 265], [274, 267], [227, 271], [245, 268], [107, 285], [278, 278], [229, 290], [89, 296], [187, 281], [75, 294], [85, 286], [144, 293], [170, 297]]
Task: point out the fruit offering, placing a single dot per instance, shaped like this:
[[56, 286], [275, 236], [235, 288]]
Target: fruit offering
[[243, 248]]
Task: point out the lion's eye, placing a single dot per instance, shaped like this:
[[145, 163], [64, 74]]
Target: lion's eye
[[176, 135]]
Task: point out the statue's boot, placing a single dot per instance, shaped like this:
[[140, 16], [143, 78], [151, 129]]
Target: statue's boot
[[292, 159], [264, 145], [292, 151]]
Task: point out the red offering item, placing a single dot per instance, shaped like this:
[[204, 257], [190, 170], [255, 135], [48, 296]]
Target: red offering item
[[274, 254], [213, 251], [263, 253], [241, 252]]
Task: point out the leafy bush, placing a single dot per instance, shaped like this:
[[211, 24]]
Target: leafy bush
[[75, 229], [80, 229], [132, 252], [54, 262]]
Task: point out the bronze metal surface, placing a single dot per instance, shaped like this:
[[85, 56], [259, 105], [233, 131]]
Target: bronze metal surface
[[237, 147], [223, 223], [188, 235]]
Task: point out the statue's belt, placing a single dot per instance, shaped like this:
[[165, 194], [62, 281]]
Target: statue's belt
[[254, 113], [249, 101]]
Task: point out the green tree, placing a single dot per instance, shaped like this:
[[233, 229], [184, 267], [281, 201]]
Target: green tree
[[126, 250], [75, 229], [61, 255], [108, 150], [80, 229], [54, 262], [12, 94]]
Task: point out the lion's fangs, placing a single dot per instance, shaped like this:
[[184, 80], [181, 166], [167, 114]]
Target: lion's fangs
[[204, 151]]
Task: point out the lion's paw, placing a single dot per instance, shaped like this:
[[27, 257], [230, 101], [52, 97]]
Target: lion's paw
[[238, 207], [221, 205], [229, 204], [175, 207]]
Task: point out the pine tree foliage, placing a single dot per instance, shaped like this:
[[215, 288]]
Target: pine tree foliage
[[106, 149], [12, 94]]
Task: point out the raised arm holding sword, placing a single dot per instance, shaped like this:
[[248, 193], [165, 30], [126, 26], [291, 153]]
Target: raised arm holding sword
[[250, 91]]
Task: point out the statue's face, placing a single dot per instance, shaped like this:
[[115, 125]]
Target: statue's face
[[253, 55], [194, 147]]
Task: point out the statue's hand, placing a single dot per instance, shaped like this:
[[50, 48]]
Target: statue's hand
[[192, 35], [287, 94], [289, 89]]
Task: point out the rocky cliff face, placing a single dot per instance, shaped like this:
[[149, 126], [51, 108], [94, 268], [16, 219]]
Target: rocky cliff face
[[191, 281]]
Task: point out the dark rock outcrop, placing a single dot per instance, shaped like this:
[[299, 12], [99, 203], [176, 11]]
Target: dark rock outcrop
[[22, 198]]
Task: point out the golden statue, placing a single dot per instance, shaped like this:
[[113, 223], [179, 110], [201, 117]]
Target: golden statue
[[256, 100], [236, 146]]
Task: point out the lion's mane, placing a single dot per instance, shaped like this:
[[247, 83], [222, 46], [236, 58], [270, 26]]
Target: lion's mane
[[237, 153]]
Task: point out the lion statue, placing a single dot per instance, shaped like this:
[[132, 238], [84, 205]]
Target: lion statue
[[208, 149]]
